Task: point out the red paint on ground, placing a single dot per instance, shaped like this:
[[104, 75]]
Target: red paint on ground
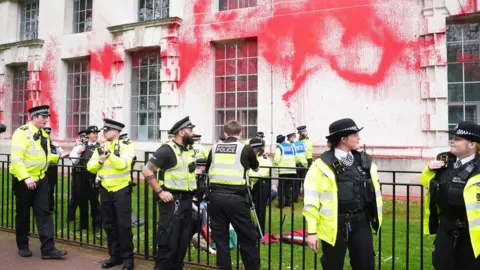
[[300, 27], [105, 60]]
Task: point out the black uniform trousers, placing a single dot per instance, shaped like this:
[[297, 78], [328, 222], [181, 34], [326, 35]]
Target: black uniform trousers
[[285, 188], [52, 175], [84, 190], [445, 257], [297, 184], [117, 222], [359, 243], [38, 199], [260, 194], [225, 209], [174, 231]]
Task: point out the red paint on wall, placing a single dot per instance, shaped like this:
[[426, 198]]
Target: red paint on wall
[[468, 6], [48, 83], [292, 34], [105, 60]]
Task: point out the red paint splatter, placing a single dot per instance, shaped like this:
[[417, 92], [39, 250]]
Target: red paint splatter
[[300, 26], [105, 60], [468, 6]]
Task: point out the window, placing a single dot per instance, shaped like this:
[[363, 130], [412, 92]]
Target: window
[[29, 19], [236, 86], [152, 10], [463, 41], [78, 96], [82, 16], [19, 97], [235, 4], [145, 101]]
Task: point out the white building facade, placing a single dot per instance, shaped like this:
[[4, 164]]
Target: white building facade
[[405, 70]]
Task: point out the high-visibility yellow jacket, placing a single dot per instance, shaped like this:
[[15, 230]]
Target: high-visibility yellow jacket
[[179, 177], [308, 147], [321, 203], [226, 167], [470, 196], [115, 173], [264, 161], [28, 158], [285, 157], [199, 151]]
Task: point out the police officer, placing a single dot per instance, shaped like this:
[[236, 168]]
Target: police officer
[[300, 163], [260, 187], [52, 172], [227, 165], [112, 164], [303, 137], [285, 157], [452, 209], [199, 151], [86, 188], [30, 156], [342, 218], [78, 185], [176, 187]]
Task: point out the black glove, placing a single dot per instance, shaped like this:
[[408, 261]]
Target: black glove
[[191, 167]]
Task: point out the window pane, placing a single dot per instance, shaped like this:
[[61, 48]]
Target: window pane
[[454, 52], [455, 92], [219, 117], [252, 117], [454, 32], [455, 114], [470, 32], [455, 73], [472, 92], [471, 113], [472, 71]]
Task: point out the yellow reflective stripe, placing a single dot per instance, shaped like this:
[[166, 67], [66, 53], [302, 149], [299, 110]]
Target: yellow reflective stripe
[[472, 206], [112, 176], [318, 195], [309, 206], [176, 183], [325, 211], [107, 166], [16, 159], [35, 163], [474, 223], [19, 148]]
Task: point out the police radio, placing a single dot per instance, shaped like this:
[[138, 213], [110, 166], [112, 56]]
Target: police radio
[[445, 158]]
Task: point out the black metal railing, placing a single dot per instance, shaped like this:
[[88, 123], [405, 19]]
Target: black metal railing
[[400, 244]]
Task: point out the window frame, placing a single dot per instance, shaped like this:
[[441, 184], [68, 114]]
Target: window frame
[[224, 5], [17, 92], [77, 68], [163, 10], [24, 34], [82, 8]]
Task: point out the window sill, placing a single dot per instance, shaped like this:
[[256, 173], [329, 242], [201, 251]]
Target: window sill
[[24, 43], [153, 23]]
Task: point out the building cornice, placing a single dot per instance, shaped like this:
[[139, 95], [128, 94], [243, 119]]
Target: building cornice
[[25, 43], [174, 21]]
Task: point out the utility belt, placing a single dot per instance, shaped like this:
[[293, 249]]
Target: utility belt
[[455, 228], [180, 195], [345, 220], [228, 189]]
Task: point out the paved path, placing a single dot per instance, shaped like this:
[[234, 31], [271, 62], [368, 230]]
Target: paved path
[[78, 257]]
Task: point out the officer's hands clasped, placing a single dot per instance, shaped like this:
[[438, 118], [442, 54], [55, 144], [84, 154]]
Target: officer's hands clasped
[[31, 184]]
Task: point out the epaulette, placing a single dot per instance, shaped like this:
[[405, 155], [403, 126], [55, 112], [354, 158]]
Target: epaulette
[[24, 127], [127, 142]]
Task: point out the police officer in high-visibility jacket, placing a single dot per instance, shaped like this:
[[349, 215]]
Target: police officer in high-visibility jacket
[[303, 133], [343, 200], [229, 201], [112, 164], [260, 187], [175, 189], [285, 157], [30, 156], [300, 162], [52, 172], [198, 150], [452, 203]]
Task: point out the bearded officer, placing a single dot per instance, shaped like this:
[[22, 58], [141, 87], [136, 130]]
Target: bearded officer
[[342, 198], [112, 164], [452, 209], [30, 156], [176, 167], [227, 165]]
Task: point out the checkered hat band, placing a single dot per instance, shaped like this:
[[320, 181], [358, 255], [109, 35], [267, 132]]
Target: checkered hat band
[[464, 132], [41, 111], [112, 126], [302, 130], [355, 128], [184, 125]]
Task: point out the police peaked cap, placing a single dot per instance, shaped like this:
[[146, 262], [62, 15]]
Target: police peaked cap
[[301, 128], [48, 130], [40, 110], [467, 130], [82, 132], [342, 128], [91, 129], [290, 135], [260, 134], [280, 138], [256, 142], [182, 124], [112, 124]]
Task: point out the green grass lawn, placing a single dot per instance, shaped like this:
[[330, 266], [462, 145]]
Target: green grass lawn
[[282, 256]]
